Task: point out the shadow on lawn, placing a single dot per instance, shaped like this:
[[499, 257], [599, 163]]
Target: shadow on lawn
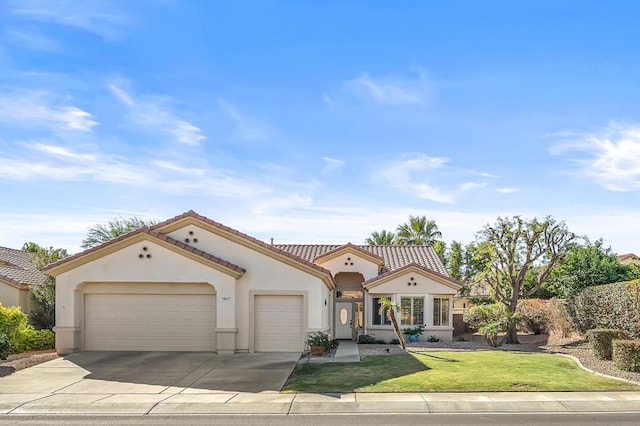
[[347, 377], [431, 355]]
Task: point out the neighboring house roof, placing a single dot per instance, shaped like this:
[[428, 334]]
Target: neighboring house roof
[[628, 258], [90, 254], [17, 270], [394, 256], [444, 279]]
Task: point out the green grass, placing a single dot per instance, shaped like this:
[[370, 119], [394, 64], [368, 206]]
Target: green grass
[[484, 371]]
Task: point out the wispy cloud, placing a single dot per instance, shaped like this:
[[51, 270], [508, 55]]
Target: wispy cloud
[[507, 190], [413, 174], [154, 113], [63, 163], [331, 164], [42, 109], [100, 17], [31, 38], [383, 90], [244, 128], [610, 158]]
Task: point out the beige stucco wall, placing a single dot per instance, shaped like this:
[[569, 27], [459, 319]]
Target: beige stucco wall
[[12, 296], [425, 287], [263, 273], [125, 266], [360, 265]]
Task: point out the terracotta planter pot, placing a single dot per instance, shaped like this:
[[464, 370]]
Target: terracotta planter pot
[[317, 350]]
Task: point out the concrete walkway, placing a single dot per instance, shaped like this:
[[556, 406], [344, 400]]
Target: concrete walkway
[[198, 402], [347, 352]]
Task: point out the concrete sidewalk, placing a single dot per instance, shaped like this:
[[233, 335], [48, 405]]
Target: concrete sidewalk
[[194, 401]]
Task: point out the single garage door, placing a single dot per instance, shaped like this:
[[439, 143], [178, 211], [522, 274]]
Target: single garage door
[[279, 323], [150, 322]]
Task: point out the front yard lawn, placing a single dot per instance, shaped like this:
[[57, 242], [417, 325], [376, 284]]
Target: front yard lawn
[[484, 371]]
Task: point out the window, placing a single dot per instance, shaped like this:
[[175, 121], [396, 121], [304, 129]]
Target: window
[[440, 311], [412, 311], [376, 317]]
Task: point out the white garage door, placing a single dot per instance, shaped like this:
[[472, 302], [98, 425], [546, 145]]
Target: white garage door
[[279, 324], [150, 322]]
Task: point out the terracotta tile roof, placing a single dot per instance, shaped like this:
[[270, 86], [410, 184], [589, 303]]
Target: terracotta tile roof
[[16, 268], [394, 256], [155, 234], [413, 265], [303, 260]]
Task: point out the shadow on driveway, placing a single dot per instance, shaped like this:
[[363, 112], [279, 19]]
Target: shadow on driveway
[[156, 372]]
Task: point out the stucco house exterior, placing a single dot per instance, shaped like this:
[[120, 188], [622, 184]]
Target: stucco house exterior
[[17, 276], [193, 284]]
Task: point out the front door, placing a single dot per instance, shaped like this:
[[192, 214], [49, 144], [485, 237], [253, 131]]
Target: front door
[[344, 320]]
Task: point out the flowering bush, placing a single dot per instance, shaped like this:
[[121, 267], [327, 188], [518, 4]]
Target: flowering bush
[[534, 315]]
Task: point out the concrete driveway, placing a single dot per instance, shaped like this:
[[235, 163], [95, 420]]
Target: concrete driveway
[[153, 373]]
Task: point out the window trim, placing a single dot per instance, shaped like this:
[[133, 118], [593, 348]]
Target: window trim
[[411, 315], [449, 310]]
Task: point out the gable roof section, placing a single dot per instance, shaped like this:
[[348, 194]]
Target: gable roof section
[[349, 248], [236, 236], [394, 256], [436, 276], [17, 270], [144, 234]]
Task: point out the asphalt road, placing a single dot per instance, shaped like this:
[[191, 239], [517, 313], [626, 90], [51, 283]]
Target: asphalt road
[[333, 420]]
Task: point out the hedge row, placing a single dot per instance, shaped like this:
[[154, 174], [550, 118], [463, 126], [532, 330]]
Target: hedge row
[[614, 306], [19, 335], [626, 354], [601, 341]]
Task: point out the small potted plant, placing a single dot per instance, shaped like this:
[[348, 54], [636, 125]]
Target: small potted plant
[[318, 343], [413, 333]]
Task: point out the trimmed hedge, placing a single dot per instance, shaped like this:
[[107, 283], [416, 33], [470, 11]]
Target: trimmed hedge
[[615, 306], [21, 336], [626, 355], [600, 339]]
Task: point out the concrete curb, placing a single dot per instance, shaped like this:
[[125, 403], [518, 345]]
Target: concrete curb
[[595, 372]]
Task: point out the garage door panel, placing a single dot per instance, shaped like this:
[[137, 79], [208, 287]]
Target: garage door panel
[[279, 323], [150, 322]]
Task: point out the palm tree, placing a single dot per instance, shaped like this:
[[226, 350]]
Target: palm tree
[[382, 238], [389, 307], [418, 231]]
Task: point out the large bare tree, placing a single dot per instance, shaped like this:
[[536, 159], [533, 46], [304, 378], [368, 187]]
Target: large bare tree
[[512, 247]]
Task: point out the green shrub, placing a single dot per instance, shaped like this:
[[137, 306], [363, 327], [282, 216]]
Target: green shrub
[[365, 339], [34, 340], [615, 306], [5, 348], [600, 339], [433, 339], [394, 341], [490, 321], [534, 315], [21, 335], [12, 324], [626, 355]]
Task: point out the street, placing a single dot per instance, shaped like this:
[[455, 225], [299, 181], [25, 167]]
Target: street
[[334, 420]]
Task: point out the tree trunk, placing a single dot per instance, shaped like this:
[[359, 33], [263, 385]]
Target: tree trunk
[[512, 335], [396, 328]]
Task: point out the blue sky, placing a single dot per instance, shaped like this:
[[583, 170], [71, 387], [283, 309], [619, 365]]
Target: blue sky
[[319, 121]]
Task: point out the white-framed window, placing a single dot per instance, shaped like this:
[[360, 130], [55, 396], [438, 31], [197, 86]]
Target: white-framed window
[[378, 318], [441, 311], [412, 310]]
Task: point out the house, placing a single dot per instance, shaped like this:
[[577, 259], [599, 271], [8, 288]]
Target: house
[[193, 284], [628, 259], [17, 276]]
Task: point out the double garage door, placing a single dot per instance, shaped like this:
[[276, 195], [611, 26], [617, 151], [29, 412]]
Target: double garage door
[[147, 321], [150, 322]]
